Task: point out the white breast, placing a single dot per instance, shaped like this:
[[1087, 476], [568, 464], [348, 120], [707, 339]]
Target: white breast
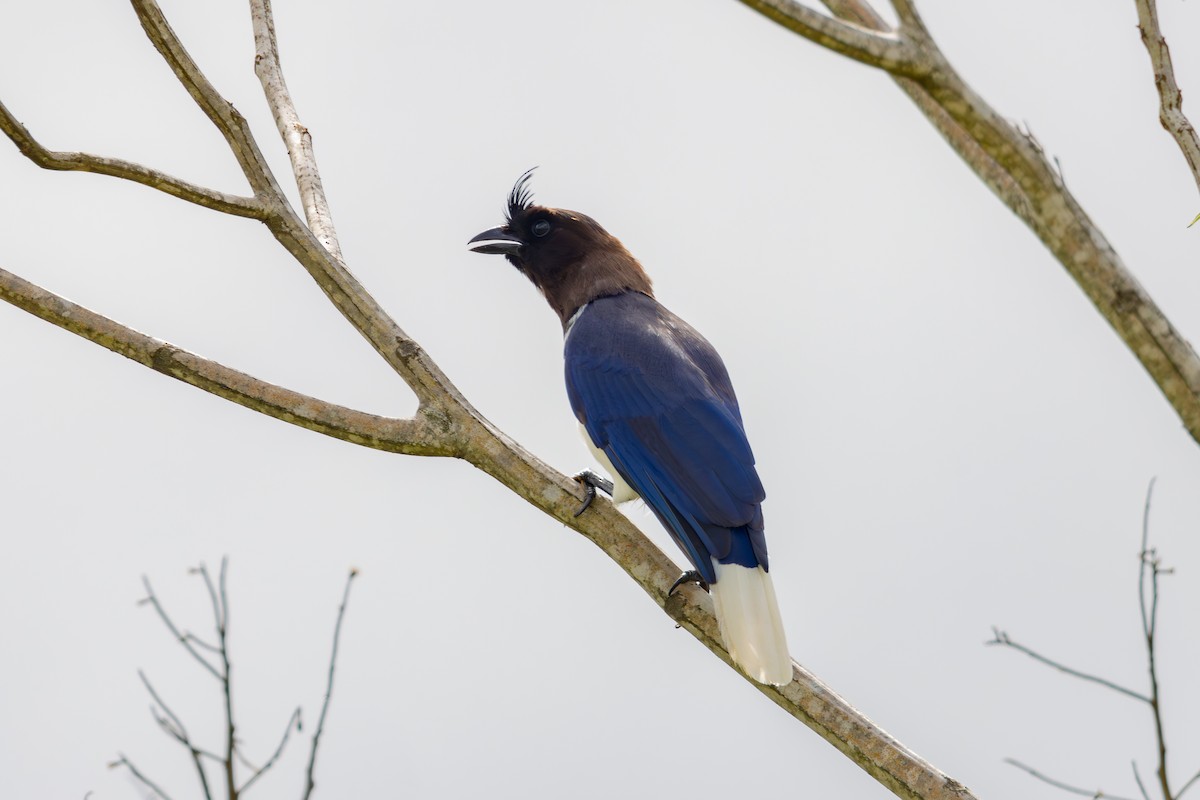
[[622, 491]]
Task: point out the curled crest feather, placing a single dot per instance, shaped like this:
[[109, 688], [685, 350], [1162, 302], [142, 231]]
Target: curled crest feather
[[521, 196]]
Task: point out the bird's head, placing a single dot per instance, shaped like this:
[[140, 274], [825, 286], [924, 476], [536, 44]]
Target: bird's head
[[567, 255]]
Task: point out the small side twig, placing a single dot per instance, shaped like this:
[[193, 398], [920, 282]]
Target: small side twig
[[173, 725], [293, 722], [1137, 776], [152, 599], [122, 761], [1190, 782], [1066, 787], [309, 783], [1150, 564], [1000, 637], [1149, 569]]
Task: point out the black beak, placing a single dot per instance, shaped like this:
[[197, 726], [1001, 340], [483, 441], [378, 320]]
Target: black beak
[[497, 240]]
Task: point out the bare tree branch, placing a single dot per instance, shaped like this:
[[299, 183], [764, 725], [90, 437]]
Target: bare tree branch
[[1002, 638], [152, 599], [1190, 781], [122, 761], [224, 116], [295, 136], [1066, 787], [419, 436], [1149, 562], [293, 722], [1016, 169], [127, 170], [309, 783], [1137, 776], [220, 609], [1170, 113], [878, 48], [174, 726]]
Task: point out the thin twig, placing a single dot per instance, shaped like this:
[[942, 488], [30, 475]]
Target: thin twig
[[179, 732], [1066, 787], [1148, 561], [152, 599], [310, 784], [1147, 626], [1170, 113], [295, 136], [1002, 638], [1188, 785], [293, 722], [214, 601], [196, 640], [220, 607], [1137, 776], [122, 761]]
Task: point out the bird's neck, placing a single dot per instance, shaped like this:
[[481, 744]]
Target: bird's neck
[[597, 275]]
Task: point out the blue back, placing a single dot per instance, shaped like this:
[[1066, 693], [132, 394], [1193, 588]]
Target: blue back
[[654, 395]]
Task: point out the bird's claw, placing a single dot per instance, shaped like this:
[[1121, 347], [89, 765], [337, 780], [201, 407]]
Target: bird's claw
[[591, 482], [691, 576]]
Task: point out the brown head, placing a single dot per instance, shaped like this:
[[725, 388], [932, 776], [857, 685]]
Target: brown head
[[567, 255]]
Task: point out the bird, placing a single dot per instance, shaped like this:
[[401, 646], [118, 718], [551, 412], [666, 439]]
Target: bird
[[657, 409]]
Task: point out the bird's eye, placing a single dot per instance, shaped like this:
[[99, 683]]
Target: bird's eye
[[540, 228]]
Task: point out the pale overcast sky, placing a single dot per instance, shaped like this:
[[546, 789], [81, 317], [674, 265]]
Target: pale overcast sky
[[950, 436]]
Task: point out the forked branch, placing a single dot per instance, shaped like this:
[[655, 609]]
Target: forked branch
[[173, 725], [1012, 164], [127, 170], [1149, 569]]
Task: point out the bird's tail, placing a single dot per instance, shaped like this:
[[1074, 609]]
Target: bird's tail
[[750, 623]]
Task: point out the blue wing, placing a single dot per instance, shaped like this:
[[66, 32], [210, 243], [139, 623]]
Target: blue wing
[[655, 397]]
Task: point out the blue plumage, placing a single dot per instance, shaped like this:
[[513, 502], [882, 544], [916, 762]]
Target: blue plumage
[[653, 394], [656, 404]]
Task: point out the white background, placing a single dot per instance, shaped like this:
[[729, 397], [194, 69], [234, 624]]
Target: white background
[[950, 435]]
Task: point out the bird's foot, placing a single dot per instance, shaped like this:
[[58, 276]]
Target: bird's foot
[[591, 482], [691, 576]]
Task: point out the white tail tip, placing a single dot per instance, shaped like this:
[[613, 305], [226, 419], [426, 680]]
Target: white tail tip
[[750, 623]]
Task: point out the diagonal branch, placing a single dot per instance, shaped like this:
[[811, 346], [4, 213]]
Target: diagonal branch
[[152, 599], [232, 125], [1066, 787], [295, 136], [293, 722], [127, 170], [122, 761], [1012, 164], [1001, 638], [1170, 113], [309, 783], [418, 436], [177, 731]]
